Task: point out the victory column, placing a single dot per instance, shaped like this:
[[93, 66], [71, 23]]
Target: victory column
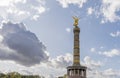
[[76, 70]]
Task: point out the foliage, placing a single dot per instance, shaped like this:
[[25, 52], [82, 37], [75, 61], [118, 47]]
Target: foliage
[[17, 75]]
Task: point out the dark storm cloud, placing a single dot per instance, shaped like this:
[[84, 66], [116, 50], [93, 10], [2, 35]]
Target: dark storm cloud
[[21, 45]]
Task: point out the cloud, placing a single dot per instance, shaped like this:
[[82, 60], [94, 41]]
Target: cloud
[[61, 61], [94, 72], [109, 10], [92, 49], [101, 47], [90, 11], [10, 2], [35, 17], [19, 10], [107, 73], [66, 3], [91, 64], [115, 34], [50, 76], [26, 72], [21, 45], [111, 53], [68, 30], [110, 72]]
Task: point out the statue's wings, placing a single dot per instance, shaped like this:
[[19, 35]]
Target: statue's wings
[[75, 18]]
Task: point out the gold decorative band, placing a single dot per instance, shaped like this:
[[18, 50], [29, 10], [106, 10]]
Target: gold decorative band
[[76, 61], [76, 46]]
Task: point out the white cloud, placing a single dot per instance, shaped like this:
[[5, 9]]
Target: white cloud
[[101, 47], [19, 10], [110, 72], [10, 2], [50, 76], [61, 61], [90, 10], [93, 69], [92, 49], [115, 34], [68, 30], [1, 38], [111, 53], [91, 64], [40, 9], [66, 3], [35, 17], [109, 10], [107, 73]]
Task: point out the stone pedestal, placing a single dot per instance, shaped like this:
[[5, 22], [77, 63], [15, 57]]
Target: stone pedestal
[[76, 72]]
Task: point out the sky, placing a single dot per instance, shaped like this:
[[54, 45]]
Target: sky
[[36, 36]]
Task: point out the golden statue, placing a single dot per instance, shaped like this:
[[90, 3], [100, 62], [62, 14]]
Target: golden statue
[[76, 19]]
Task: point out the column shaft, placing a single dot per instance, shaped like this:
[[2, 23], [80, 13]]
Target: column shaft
[[76, 56]]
